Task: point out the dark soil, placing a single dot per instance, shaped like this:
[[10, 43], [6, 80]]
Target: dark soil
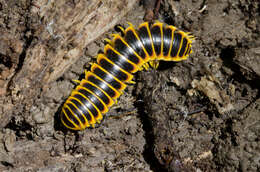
[[202, 114]]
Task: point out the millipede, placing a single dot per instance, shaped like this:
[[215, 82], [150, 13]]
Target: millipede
[[124, 55]]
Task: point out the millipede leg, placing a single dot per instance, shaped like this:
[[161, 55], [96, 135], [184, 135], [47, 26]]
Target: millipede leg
[[122, 29], [107, 40], [154, 64], [76, 81], [132, 82], [146, 66]]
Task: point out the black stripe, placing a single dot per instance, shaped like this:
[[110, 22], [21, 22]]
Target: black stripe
[[102, 85], [90, 107], [144, 37], [108, 78], [92, 98], [176, 44], [97, 91], [183, 47], [75, 111], [167, 38], [66, 121], [157, 40], [120, 61], [81, 107], [188, 50], [113, 69], [126, 51], [133, 42]]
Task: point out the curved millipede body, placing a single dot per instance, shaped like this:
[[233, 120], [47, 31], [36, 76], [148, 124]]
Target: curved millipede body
[[123, 56]]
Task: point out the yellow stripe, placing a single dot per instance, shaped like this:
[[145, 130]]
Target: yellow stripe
[[131, 28], [186, 49], [105, 106], [111, 101], [87, 122], [183, 36], [160, 56], [81, 125], [173, 29], [117, 36], [117, 93], [109, 47], [100, 116], [76, 128], [190, 38], [102, 56], [178, 54], [99, 112], [161, 28], [94, 66], [66, 116], [146, 25], [84, 116], [178, 58], [91, 114]]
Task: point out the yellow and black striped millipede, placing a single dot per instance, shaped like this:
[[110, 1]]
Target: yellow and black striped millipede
[[135, 50]]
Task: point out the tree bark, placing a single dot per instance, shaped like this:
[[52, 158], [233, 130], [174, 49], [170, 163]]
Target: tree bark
[[56, 40]]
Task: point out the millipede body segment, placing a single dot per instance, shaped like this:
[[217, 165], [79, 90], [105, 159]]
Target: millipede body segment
[[124, 55]]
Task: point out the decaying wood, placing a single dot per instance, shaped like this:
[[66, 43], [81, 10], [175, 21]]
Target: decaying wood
[[69, 27], [64, 29]]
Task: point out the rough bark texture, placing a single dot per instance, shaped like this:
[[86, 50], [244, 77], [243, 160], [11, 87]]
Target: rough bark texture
[[55, 35]]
